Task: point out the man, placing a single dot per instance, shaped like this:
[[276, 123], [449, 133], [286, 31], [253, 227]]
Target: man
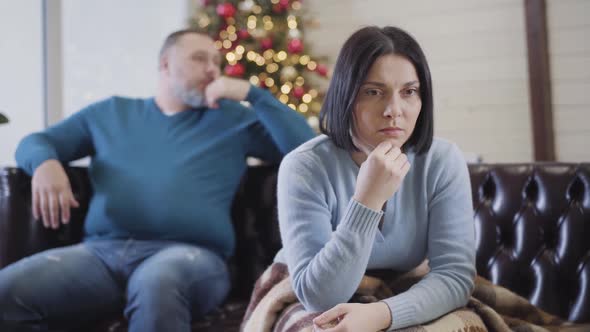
[[164, 172]]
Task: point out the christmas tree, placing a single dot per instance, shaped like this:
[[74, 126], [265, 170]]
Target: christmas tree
[[262, 41]]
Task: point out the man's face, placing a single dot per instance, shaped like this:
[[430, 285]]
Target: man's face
[[190, 65]]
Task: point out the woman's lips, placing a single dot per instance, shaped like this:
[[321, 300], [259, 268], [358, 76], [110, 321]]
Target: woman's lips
[[392, 131]]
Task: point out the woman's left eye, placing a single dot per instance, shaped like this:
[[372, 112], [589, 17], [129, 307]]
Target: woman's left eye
[[411, 92]]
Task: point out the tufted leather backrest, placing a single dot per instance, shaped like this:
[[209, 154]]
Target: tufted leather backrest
[[532, 226], [533, 232]]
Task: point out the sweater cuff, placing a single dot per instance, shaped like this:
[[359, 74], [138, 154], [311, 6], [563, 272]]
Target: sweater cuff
[[39, 157], [403, 311], [361, 219], [255, 94]]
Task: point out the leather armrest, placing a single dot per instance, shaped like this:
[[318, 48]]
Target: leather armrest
[[20, 234]]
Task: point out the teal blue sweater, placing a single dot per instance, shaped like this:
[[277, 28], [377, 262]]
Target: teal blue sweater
[[330, 240], [167, 177]]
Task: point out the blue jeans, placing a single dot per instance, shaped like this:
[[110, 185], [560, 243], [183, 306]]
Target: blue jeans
[[160, 285]]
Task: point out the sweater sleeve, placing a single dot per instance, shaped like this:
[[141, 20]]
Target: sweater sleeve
[[279, 129], [325, 265], [65, 141], [451, 247]]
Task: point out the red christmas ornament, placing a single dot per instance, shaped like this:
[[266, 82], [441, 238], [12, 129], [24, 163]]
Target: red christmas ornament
[[266, 43], [280, 7], [295, 46], [298, 92], [277, 8], [243, 34], [226, 10], [236, 70], [322, 70]]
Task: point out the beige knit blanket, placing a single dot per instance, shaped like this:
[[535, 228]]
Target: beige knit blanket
[[274, 307]]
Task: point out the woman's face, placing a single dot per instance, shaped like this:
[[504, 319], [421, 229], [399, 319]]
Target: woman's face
[[388, 102]]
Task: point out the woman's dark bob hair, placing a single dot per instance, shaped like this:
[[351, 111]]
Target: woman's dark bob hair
[[354, 61]]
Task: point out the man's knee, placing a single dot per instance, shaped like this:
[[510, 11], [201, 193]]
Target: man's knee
[[179, 273], [153, 294], [164, 294], [15, 297], [152, 282]]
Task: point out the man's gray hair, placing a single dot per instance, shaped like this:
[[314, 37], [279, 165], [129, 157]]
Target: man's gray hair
[[173, 38]]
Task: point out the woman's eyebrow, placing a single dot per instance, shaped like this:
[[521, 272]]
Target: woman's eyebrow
[[380, 84], [375, 83]]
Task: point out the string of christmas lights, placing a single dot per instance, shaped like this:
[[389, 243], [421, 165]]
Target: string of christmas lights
[[262, 41]]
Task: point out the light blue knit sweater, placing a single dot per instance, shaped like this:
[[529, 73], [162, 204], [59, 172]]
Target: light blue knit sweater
[[330, 240]]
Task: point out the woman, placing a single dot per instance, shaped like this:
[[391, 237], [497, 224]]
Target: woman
[[377, 192]]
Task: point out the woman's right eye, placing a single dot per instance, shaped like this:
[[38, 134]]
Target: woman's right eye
[[372, 92]]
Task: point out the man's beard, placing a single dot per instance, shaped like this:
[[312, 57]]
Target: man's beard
[[191, 97]]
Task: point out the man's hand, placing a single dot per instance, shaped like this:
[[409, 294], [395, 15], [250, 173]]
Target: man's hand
[[52, 194], [225, 87], [354, 317]]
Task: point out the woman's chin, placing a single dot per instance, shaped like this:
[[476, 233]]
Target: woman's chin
[[395, 141]]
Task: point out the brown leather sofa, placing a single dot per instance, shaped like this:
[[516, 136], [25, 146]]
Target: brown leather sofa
[[532, 229]]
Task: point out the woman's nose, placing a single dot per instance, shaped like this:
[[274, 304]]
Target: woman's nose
[[393, 109]]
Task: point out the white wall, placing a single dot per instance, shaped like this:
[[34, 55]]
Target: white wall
[[110, 47], [477, 55], [21, 77], [569, 51], [476, 50]]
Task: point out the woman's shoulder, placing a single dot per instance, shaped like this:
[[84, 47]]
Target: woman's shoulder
[[443, 154], [442, 148], [311, 165], [318, 149]]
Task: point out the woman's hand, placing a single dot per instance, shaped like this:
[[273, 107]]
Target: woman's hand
[[354, 317], [381, 175]]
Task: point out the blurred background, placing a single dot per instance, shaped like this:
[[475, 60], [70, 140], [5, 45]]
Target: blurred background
[[511, 83]]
